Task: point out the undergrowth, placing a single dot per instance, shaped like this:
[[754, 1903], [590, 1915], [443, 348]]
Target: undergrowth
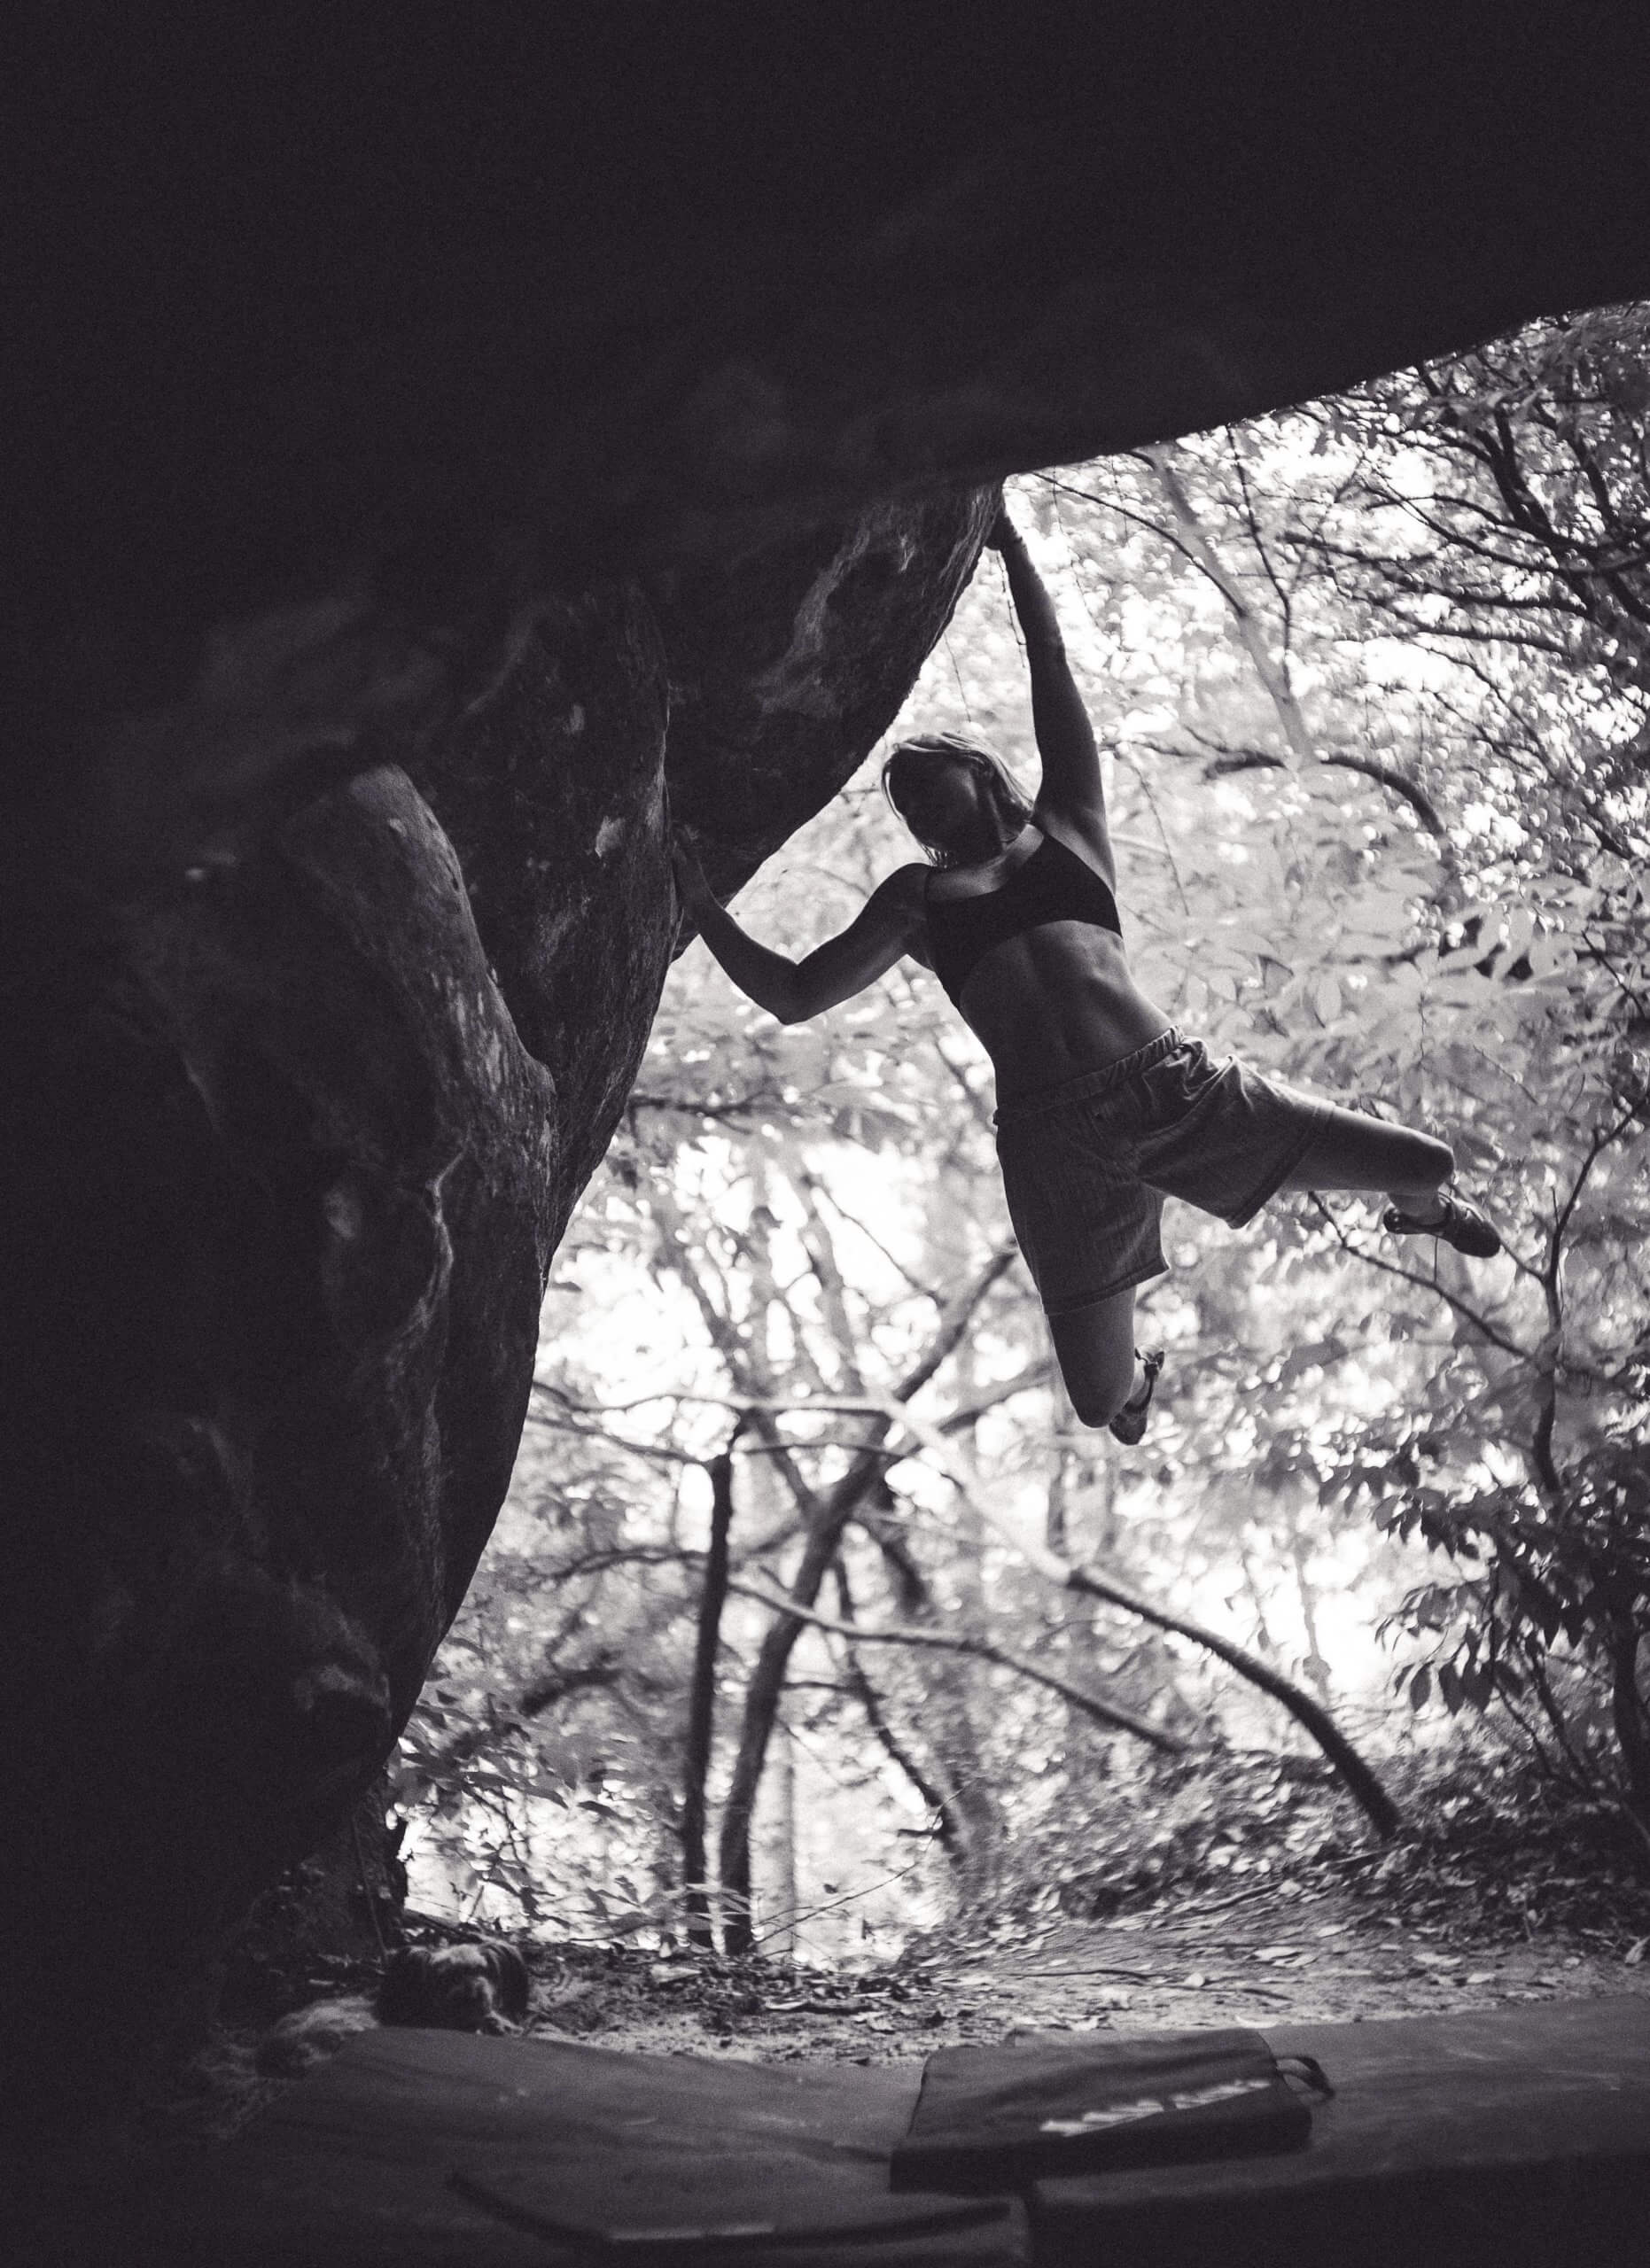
[[1488, 1843]]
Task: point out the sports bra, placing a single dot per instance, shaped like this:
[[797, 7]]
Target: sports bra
[[1054, 884]]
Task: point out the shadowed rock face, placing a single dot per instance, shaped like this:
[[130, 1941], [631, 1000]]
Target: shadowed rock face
[[306, 1099], [443, 434]]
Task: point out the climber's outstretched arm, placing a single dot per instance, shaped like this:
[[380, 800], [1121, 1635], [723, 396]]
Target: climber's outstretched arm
[[1071, 794], [889, 924]]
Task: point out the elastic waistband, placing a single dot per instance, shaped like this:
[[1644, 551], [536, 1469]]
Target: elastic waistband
[[1087, 1084]]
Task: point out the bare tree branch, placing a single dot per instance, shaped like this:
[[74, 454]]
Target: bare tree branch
[[1359, 1777], [1273, 675], [1102, 1712]]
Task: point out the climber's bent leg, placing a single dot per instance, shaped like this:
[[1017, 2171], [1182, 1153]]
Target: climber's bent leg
[[1349, 1151], [1086, 1224]]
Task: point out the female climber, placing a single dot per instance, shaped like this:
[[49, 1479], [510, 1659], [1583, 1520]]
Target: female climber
[[1103, 1107]]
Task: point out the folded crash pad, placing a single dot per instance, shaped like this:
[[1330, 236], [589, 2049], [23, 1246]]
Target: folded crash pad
[[1499, 2139], [994, 2118]]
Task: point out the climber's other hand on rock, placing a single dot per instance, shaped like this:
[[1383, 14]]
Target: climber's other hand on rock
[[691, 886]]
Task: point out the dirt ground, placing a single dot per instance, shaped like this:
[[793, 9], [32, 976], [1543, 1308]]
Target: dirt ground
[[1255, 1958], [1305, 1951], [1309, 1950]]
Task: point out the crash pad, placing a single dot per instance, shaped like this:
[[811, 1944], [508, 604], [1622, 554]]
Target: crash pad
[[416, 2147], [996, 2118], [1511, 2139], [1499, 2139]]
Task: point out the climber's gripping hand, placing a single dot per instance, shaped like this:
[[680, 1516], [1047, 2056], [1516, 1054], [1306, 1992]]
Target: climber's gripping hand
[[691, 887], [1002, 532]]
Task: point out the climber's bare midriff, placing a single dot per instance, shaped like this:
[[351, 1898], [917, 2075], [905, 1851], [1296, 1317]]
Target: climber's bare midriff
[[1055, 1002]]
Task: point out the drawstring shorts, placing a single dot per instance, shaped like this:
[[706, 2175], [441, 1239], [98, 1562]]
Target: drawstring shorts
[[1087, 1165]]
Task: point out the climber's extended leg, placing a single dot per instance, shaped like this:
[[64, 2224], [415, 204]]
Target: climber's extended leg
[[1088, 1228], [1094, 1348], [1352, 1152], [1129, 1424]]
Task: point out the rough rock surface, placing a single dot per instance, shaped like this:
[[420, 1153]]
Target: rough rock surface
[[436, 429], [305, 1105]]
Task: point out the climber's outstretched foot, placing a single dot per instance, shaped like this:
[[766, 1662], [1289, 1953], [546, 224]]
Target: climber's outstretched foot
[[1460, 1222], [1129, 1424]]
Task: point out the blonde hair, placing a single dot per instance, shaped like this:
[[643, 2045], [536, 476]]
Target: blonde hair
[[1001, 791]]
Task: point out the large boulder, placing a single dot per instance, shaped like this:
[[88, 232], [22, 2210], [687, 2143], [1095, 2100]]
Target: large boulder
[[302, 1102], [449, 442]]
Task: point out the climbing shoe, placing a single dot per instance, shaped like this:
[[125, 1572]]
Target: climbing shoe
[[1463, 1225], [1129, 1424]]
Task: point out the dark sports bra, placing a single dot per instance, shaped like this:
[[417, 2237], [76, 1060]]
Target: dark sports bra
[[1054, 884]]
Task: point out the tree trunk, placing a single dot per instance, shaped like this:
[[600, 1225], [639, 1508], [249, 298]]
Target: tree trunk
[[842, 1504], [779, 1940], [763, 1695], [959, 1694], [702, 1703], [1624, 1641], [1317, 1667]]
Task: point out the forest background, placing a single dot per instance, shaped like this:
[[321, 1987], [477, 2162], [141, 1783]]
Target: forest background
[[814, 1617]]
